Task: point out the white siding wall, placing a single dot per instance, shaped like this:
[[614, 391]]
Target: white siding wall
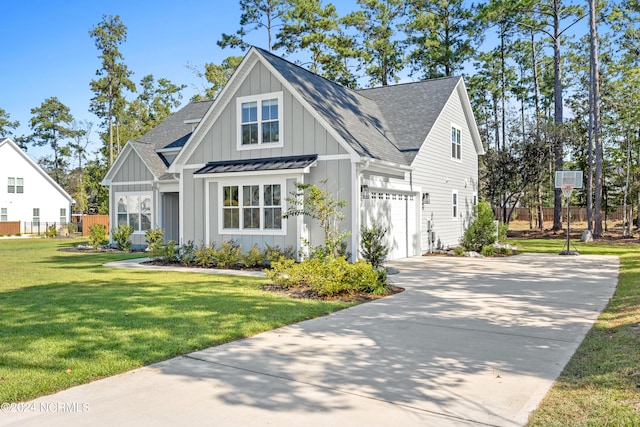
[[38, 191], [439, 175]]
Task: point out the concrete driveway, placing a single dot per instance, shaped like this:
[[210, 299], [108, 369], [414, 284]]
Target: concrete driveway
[[470, 342]]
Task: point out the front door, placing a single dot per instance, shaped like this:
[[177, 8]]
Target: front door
[[171, 216]]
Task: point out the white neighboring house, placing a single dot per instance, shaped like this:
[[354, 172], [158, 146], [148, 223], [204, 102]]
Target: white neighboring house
[[27, 193]]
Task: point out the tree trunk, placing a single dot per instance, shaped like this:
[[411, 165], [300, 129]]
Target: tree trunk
[[626, 220], [557, 98], [595, 84]]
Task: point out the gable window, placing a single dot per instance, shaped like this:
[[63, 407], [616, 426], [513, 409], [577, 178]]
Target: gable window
[[133, 209], [259, 118], [454, 204], [36, 216], [3, 215], [252, 207], [11, 185], [455, 143], [19, 185]]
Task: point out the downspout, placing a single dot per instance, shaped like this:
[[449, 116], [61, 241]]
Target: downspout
[[356, 213]]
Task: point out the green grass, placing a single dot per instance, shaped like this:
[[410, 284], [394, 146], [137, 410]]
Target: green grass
[[600, 386], [66, 320]]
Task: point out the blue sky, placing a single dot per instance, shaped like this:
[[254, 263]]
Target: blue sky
[[47, 51]]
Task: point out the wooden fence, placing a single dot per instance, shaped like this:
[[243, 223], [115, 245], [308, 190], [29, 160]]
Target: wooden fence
[[89, 220], [9, 228], [578, 214]]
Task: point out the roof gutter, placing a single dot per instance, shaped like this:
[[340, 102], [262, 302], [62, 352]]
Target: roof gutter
[[367, 161]]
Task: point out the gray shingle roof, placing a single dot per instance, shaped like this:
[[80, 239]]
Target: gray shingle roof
[[387, 123], [252, 165], [356, 118], [171, 133], [411, 109]]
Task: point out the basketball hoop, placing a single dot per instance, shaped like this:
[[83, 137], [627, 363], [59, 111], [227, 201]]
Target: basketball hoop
[[567, 181], [567, 189]]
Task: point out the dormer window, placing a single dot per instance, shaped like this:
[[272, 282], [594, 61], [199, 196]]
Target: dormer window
[[259, 121]]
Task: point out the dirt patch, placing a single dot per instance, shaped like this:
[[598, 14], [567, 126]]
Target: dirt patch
[[305, 292], [576, 234]]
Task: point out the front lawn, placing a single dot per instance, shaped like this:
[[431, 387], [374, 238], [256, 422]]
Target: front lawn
[[67, 320], [600, 386]]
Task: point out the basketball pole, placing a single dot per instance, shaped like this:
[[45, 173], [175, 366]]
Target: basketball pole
[[567, 249]]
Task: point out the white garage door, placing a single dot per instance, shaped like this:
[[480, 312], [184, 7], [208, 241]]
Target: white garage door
[[397, 212]]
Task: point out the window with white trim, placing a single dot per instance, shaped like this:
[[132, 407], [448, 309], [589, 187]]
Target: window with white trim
[[134, 209], [19, 185], [36, 216], [454, 204], [11, 185], [63, 216], [3, 215], [259, 120], [252, 207], [456, 143]]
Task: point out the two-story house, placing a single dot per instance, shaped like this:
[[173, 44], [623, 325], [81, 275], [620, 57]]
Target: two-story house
[[404, 156]]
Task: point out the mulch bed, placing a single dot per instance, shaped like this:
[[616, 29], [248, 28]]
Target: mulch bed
[[304, 292]]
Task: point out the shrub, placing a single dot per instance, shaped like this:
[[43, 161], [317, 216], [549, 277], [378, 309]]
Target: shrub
[[51, 231], [97, 235], [330, 276], [488, 250], [254, 257], [72, 227], [187, 253], [502, 232], [169, 252], [503, 251], [459, 250], [121, 237], [283, 273], [205, 255], [372, 246], [482, 230], [271, 254], [155, 239], [228, 255]]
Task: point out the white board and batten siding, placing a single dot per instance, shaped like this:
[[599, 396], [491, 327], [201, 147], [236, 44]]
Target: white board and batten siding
[[440, 175], [132, 177], [301, 133]]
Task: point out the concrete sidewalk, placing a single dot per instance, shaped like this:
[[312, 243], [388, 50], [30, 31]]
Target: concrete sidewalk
[[470, 342]]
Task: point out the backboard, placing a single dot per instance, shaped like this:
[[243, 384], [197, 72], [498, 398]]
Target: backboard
[[564, 179]]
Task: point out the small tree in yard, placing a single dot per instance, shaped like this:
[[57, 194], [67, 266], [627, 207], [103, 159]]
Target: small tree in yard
[[317, 203], [482, 230], [121, 236], [372, 246]]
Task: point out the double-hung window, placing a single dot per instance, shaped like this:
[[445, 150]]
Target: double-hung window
[[252, 208], [3, 215], [36, 217], [454, 205], [260, 121], [19, 185], [11, 185], [455, 143], [63, 216], [133, 209]]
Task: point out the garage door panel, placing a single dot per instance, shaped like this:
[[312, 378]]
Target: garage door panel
[[396, 212]]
